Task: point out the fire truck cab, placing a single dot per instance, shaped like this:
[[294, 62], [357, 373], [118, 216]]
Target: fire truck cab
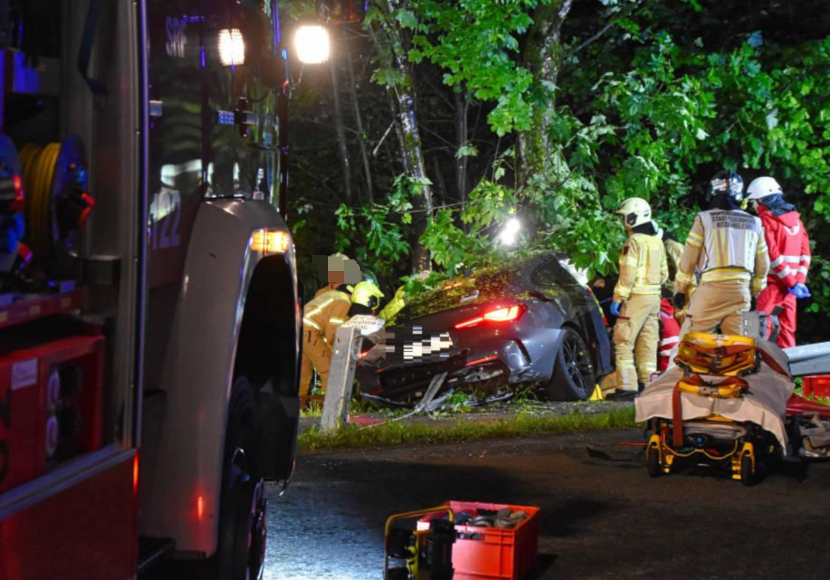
[[149, 312]]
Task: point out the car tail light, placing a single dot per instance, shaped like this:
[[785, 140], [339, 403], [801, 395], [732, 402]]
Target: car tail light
[[497, 314]]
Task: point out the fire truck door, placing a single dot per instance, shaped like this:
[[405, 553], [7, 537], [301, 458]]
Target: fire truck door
[[175, 119], [241, 122]]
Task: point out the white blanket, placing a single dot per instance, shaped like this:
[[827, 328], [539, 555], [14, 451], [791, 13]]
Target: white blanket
[[765, 403]]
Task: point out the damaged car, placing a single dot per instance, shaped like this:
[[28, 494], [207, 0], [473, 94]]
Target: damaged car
[[527, 322]]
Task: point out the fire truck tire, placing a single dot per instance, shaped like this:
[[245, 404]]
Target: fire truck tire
[[242, 530]]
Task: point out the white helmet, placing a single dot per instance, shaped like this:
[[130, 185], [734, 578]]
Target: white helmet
[[762, 187], [635, 211]]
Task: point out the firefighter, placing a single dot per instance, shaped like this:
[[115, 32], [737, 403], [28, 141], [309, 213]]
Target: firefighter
[[334, 267], [670, 317], [365, 298], [669, 334], [789, 252], [643, 270], [726, 245], [399, 300], [321, 319]]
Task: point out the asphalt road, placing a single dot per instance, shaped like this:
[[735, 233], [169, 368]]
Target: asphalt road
[[601, 518]]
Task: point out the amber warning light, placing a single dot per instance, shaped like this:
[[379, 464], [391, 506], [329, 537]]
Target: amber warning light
[[270, 242]]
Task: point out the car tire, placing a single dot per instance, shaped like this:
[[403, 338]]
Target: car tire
[[242, 525], [574, 376]]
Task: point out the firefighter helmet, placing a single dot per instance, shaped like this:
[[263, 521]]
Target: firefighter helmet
[[729, 183], [367, 294], [762, 187], [635, 212]]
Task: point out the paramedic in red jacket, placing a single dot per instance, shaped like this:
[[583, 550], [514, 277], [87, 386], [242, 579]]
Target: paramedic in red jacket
[[789, 254]]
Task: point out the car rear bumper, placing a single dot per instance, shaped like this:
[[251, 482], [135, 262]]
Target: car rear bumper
[[505, 361]]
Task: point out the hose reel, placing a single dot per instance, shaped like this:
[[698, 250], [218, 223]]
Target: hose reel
[[57, 201]]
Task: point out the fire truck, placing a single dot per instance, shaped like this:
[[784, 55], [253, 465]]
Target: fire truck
[[149, 310]]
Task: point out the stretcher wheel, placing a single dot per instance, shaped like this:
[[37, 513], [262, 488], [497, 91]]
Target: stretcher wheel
[[653, 462], [747, 471]]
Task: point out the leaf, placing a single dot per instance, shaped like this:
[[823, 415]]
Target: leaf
[[772, 119], [466, 151], [755, 39], [406, 18]]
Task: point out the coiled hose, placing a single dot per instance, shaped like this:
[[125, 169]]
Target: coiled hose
[[39, 165]]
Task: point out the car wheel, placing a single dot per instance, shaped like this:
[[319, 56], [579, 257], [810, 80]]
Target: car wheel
[[242, 529], [574, 376]]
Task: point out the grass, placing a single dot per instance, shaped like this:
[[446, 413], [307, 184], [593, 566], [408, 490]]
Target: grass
[[521, 425]]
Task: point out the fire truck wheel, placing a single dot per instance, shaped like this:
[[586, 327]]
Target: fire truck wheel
[[242, 531]]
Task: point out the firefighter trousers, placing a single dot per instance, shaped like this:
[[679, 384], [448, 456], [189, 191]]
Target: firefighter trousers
[[777, 295], [316, 355], [636, 334], [718, 304]]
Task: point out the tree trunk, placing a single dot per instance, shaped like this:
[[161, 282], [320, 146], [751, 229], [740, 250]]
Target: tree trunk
[[340, 128], [543, 58], [461, 135], [412, 153], [358, 117]]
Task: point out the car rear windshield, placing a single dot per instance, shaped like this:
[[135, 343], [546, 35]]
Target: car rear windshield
[[483, 286]]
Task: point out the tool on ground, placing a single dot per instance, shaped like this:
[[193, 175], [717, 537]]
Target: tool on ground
[[415, 552]]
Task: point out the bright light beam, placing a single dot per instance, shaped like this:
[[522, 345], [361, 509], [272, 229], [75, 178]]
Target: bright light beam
[[509, 233], [312, 44]]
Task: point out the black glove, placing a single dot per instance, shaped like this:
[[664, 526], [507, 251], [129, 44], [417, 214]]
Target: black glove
[[678, 300]]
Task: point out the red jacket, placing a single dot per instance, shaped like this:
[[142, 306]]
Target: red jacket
[[789, 247]]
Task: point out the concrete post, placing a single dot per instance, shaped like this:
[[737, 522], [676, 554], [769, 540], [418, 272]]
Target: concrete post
[[341, 378]]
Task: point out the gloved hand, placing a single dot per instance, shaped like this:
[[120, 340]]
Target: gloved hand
[[678, 300], [615, 308], [800, 291]]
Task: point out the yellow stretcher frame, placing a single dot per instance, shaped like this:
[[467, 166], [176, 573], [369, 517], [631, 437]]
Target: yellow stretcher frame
[[660, 456]]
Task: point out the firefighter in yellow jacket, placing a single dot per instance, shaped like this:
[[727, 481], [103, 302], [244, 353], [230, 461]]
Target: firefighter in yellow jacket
[[726, 247], [321, 319], [643, 270]]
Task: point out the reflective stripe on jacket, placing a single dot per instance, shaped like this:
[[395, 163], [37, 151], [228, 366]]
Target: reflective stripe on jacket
[[643, 267], [789, 247], [326, 313], [725, 245]]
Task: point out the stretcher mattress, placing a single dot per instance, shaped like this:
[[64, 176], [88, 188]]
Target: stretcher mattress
[[765, 403]]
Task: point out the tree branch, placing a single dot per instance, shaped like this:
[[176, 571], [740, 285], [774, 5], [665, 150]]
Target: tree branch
[[631, 7]]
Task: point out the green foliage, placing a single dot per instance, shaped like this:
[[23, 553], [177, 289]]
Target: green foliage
[[667, 97], [377, 232]]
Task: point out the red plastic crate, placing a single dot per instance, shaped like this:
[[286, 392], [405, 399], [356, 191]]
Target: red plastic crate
[[499, 553], [816, 386]]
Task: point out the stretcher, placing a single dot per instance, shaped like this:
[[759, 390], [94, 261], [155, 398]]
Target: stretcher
[[728, 404]]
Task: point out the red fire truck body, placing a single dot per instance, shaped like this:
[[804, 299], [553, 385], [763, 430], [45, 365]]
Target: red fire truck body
[[148, 354]]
